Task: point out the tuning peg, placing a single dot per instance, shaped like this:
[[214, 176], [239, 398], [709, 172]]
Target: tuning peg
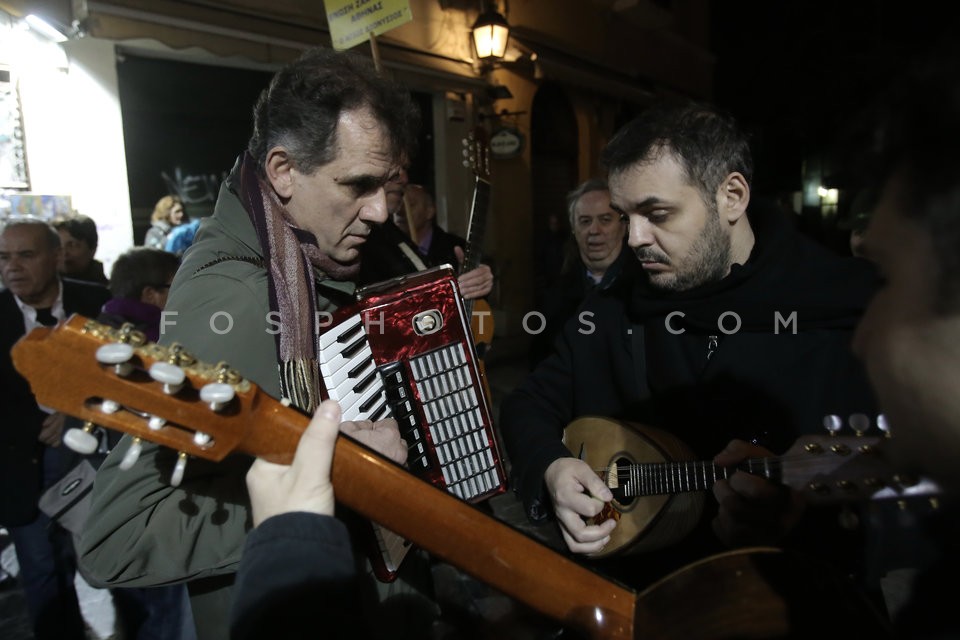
[[117, 354], [217, 395], [132, 455], [170, 375], [109, 406], [832, 423], [859, 422], [201, 439], [155, 423], [82, 440], [177, 476], [882, 424]]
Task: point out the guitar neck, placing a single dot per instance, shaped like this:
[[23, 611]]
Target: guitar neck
[[478, 225], [475, 232], [456, 532]]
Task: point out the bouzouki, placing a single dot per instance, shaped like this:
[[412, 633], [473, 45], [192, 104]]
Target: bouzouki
[[216, 413], [477, 157], [659, 488]]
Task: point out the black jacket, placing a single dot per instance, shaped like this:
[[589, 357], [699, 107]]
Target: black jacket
[[560, 301], [20, 451], [621, 359], [383, 258]]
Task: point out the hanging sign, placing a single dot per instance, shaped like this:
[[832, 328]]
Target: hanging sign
[[352, 21], [506, 143]]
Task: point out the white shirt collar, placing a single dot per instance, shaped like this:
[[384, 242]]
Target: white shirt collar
[[30, 313]]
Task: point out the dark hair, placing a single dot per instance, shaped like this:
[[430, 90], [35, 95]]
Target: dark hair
[[916, 144], [709, 145], [141, 267], [80, 227], [593, 184], [301, 107]]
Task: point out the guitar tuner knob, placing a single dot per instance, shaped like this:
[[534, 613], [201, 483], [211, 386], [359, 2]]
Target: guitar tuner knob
[[170, 375], [132, 455], [82, 440], [832, 423], [202, 439], [109, 406], [882, 424], [155, 423], [117, 354], [178, 470], [217, 395], [859, 422]]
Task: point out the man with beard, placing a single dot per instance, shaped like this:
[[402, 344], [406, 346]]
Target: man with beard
[[281, 248], [737, 328]]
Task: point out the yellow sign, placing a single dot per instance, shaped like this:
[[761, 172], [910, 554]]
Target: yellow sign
[[352, 21]]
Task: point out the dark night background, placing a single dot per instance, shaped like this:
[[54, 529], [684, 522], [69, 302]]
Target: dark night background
[[800, 74]]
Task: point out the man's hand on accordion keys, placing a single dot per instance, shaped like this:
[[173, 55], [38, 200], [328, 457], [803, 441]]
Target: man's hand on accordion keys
[[383, 436]]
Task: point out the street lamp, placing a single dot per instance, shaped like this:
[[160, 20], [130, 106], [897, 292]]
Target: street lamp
[[490, 34]]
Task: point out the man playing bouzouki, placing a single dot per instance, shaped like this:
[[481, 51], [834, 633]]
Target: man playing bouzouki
[[735, 328]]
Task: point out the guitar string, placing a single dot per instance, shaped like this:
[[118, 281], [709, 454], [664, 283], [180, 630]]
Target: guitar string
[[767, 463]]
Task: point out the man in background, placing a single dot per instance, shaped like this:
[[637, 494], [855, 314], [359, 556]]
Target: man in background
[[600, 234], [78, 240], [410, 240], [31, 455]]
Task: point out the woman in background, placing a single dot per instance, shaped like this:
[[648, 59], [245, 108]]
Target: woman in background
[[167, 214]]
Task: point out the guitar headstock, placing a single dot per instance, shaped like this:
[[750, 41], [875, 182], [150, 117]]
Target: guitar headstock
[[476, 153], [117, 379], [847, 464]]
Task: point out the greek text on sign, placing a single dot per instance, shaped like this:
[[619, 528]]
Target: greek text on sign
[[352, 21]]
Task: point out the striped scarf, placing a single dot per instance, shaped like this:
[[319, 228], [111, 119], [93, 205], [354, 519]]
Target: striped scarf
[[290, 256]]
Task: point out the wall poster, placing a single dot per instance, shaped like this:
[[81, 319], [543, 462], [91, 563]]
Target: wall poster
[[13, 155]]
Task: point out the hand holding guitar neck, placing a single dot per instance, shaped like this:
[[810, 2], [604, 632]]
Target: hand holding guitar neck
[[751, 509], [305, 484]]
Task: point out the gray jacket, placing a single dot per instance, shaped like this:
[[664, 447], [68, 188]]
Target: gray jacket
[[141, 530]]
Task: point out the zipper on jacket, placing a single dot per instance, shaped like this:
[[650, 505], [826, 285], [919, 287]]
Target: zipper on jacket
[[712, 343]]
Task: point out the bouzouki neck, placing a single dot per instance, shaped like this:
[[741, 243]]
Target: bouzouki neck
[[478, 159], [659, 478]]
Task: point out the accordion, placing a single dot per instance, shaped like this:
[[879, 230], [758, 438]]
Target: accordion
[[405, 350]]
